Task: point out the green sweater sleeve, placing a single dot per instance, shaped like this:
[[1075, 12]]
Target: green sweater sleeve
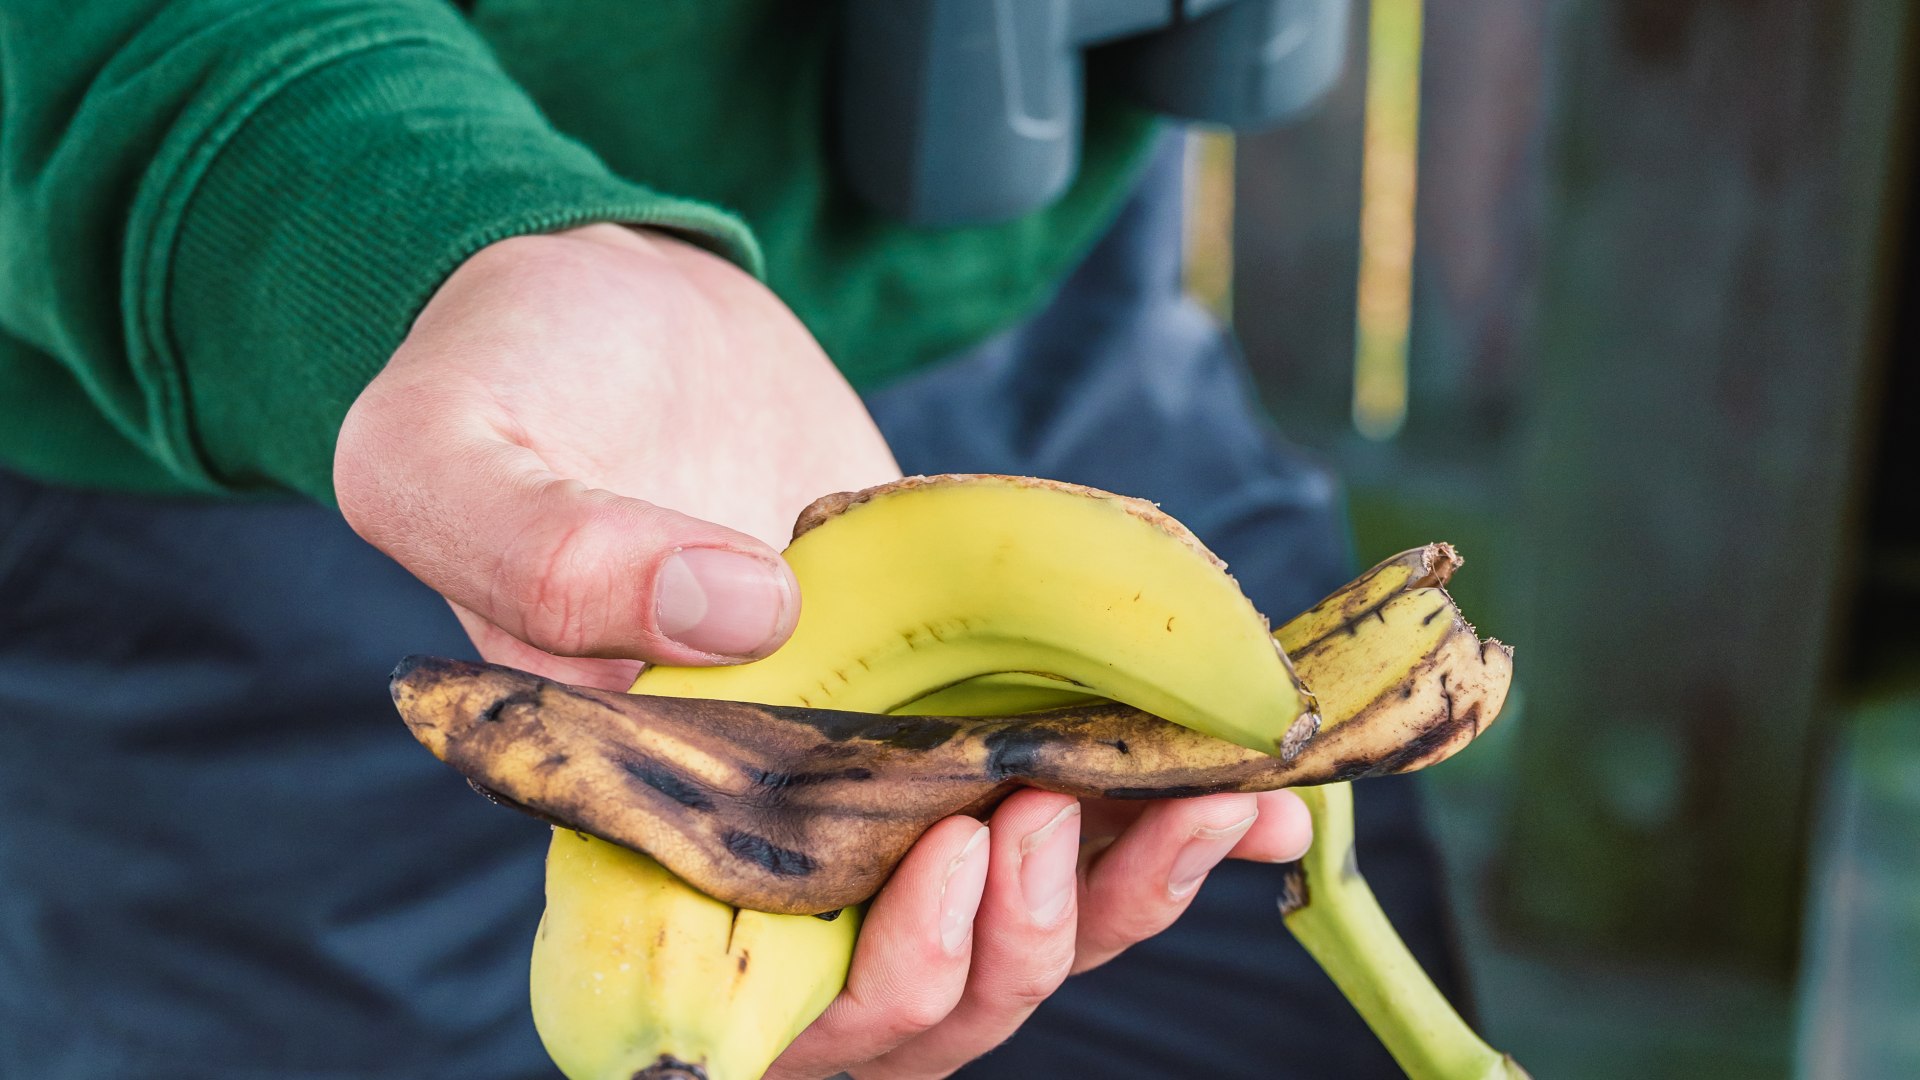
[[222, 215]]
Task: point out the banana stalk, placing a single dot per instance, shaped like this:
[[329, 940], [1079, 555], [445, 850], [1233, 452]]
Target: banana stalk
[[1330, 910]]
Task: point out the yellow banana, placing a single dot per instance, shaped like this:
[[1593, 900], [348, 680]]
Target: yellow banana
[[920, 584], [638, 976], [965, 595], [906, 589]]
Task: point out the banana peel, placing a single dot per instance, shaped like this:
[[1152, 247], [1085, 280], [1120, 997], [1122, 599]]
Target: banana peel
[[798, 810], [1325, 900], [635, 976], [795, 809]]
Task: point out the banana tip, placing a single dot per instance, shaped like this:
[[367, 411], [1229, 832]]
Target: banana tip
[[1298, 735], [669, 1067], [416, 672], [407, 666]]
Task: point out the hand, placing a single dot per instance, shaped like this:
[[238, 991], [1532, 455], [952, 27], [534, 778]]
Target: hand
[[982, 923], [591, 443]]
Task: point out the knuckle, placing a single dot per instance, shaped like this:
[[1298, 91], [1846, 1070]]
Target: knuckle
[[1040, 978], [915, 1013], [1130, 926], [552, 574]]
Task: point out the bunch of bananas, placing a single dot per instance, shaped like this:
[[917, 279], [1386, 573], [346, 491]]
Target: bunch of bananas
[[1067, 622]]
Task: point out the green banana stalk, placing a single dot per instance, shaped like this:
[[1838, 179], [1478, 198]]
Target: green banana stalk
[[1330, 910]]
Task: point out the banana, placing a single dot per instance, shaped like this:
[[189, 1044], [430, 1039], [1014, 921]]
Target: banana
[[637, 976], [1332, 912], [930, 581], [924, 583], [962, 595], [1429, 567], [1389, 647], [1401, 679]]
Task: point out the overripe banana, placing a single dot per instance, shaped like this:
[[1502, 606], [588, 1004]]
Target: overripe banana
[[956, 595], [799, 811]]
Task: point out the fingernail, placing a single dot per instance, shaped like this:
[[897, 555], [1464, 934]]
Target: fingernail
[[960, 893], [1203, 852], [1049, 856], [723, 602]]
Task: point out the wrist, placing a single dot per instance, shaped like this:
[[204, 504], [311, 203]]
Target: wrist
[[641, 239]]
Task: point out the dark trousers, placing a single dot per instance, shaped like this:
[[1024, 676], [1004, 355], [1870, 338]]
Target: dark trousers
[[222, 856]]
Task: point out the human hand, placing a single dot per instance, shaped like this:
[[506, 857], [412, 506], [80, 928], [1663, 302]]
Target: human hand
[[979, 925], [591, 444]]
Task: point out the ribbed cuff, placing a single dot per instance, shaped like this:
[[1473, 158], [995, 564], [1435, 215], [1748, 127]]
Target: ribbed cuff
[[294, 247]]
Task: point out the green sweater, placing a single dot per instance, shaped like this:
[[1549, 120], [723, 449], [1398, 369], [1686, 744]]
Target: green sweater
[[218, 217]]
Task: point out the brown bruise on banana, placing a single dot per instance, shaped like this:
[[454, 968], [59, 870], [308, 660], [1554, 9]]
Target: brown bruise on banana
[[1444, 703], [802, 811], [1293, 889], [1343, 612]]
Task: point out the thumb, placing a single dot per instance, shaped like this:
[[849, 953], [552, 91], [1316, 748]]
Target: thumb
[[569, 569], [580, 571]]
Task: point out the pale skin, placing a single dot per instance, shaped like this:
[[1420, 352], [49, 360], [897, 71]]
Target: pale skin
[[593, 444]]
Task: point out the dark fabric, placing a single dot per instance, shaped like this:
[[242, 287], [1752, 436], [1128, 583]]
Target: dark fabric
[[222, 857]]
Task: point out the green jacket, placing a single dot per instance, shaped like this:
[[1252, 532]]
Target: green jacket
[[218, 217]]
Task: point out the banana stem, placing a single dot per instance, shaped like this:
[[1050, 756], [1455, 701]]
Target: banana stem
[[1332, 912]]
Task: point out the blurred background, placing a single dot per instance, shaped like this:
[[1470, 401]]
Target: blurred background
[[1618, 297]]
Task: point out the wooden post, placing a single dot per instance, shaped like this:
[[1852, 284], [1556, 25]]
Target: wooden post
[[1721, 176]]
